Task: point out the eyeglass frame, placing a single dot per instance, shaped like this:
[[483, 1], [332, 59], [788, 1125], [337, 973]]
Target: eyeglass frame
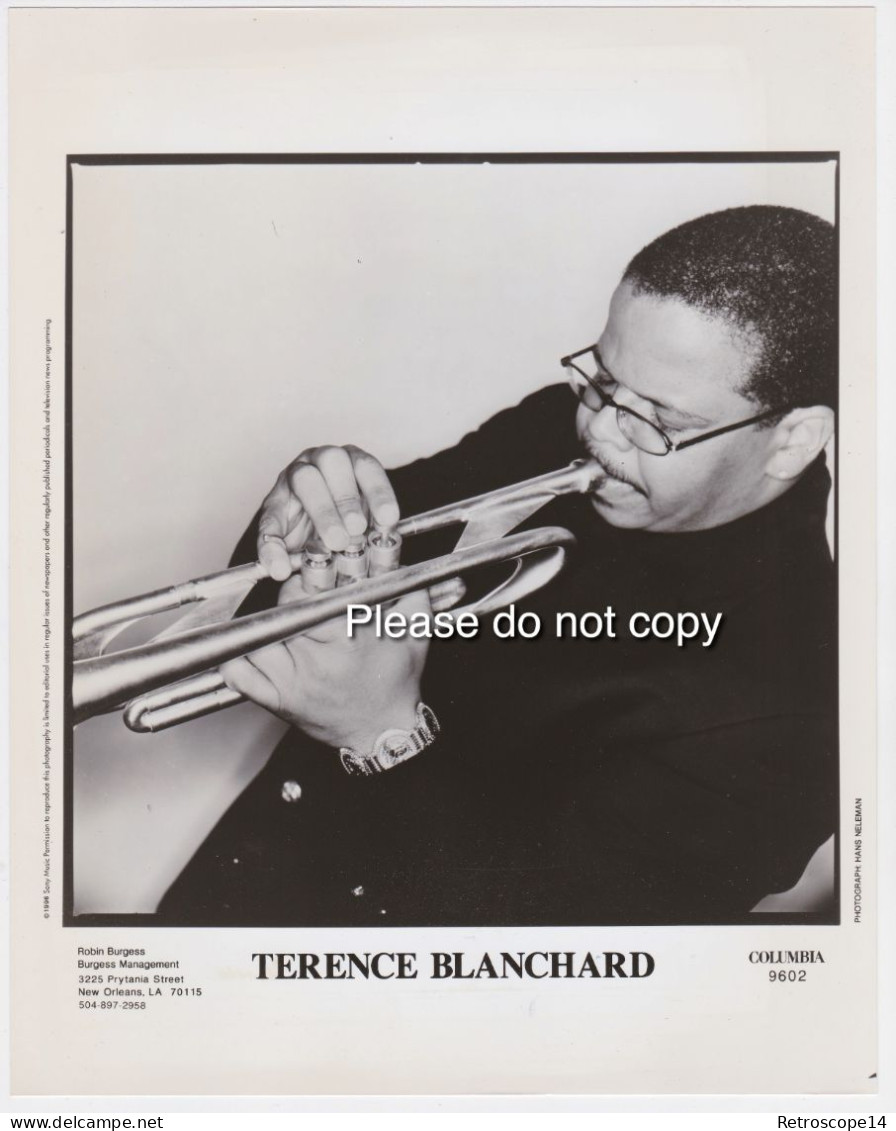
[[671, 445]]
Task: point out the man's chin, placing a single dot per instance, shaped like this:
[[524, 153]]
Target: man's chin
[[623, 509]]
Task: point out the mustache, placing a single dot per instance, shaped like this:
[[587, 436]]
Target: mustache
[[612, 471]]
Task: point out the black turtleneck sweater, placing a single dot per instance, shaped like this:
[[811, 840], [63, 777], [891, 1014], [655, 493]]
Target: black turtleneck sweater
[[575, 781]]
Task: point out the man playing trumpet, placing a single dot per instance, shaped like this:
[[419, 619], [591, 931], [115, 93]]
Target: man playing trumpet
[[614, 778]]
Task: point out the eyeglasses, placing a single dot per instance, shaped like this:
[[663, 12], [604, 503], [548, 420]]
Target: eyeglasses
[[595, 389]]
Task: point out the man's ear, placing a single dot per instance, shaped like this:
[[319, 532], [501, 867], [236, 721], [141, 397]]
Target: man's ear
[[799, 437]]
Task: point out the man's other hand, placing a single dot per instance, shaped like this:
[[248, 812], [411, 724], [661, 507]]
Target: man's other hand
[[341, 691]]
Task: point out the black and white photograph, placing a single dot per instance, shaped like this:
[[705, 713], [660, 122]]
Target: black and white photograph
[[304, 369]]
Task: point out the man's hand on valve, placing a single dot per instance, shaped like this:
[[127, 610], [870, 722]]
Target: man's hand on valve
[[335, 492], [341, 691]]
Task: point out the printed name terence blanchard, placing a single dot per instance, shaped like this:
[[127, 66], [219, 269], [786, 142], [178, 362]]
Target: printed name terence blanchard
[[455, 964]]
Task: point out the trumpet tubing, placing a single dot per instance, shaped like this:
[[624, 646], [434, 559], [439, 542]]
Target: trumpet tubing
[[365, 574]]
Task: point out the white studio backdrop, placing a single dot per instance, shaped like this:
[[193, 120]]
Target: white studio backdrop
[[227, 316]]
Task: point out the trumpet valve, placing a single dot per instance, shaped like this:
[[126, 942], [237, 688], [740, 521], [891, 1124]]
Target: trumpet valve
[[384, 551], [351, 563], [318, 568]]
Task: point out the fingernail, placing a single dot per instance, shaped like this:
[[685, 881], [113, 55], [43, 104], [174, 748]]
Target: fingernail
[[387, 514], [355, 522], [276, 564], [336, 537], [278, 569]]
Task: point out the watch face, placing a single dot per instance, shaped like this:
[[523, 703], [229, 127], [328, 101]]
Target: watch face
[[396, 746]]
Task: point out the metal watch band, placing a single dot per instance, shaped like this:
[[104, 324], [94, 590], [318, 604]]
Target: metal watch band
[[393, 746]]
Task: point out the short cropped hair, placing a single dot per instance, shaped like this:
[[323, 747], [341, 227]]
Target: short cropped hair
[[772, 273]]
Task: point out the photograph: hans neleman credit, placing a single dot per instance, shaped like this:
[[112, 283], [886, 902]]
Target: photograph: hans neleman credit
[[537, 624]]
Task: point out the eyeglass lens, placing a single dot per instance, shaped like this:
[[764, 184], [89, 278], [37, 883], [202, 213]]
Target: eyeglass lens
[[640, 432]]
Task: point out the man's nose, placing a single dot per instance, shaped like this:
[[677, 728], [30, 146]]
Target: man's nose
[[603, 427]]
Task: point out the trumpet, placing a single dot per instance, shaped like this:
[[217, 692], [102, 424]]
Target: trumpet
[[172, 678]]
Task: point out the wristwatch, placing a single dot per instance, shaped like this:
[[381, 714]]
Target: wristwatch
[[393, 746]]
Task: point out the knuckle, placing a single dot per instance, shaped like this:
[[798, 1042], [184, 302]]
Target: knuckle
[[303, 459], [302, 472], [359, 456], [326, 455], [281, 487], [334, 461]]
